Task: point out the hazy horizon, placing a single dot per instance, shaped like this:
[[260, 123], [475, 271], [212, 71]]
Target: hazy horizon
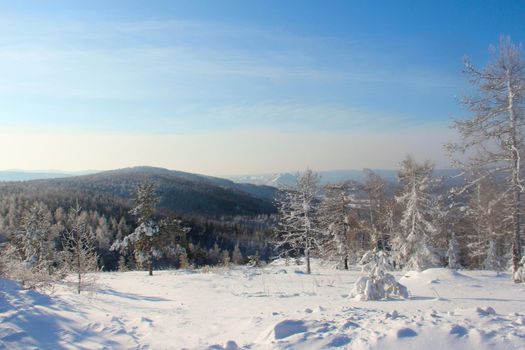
[[238, 87]]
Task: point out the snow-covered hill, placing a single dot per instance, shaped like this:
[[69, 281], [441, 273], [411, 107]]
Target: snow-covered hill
[[277, 307]]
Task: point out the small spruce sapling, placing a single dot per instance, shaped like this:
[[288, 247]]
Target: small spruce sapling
[[377, 283]]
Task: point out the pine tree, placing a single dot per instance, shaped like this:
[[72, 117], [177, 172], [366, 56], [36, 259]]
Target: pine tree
[[144, 238], [151, 240]]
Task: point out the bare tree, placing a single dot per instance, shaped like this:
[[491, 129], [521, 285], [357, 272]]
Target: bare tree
[[492, 139]]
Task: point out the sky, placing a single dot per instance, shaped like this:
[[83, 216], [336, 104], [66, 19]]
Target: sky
[[238, 87]]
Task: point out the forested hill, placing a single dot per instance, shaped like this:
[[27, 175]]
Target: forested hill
[[179, 192]]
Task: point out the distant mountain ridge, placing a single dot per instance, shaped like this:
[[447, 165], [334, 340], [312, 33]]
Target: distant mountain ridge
[[27, 175], [288, 179], [179, 192]]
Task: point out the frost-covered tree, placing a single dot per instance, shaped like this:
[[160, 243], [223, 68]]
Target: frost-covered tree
[[80, 254], [485, 213], [237, 257], [453, 252], [412, 245], [30, 256], [335, 224], [298, 230], [38, 245], [379, 209], [376, 283], [226, 258], [520, 272], [492, 139], [446, 215], [103, 234]]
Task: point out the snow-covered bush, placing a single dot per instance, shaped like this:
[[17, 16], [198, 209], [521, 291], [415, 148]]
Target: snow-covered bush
[[377, 283], [30, 276]]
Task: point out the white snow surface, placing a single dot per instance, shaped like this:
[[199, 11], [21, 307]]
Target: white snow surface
[[274, 307]]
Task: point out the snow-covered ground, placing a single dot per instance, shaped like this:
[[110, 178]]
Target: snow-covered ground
[[276, 307]]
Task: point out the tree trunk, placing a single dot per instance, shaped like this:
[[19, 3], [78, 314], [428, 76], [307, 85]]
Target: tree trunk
[[516, 244], [150, 263], [307, 257], [79, 264], [516, 184]]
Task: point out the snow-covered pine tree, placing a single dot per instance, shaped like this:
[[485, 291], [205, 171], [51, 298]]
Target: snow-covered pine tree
[[151, 240], [144, 239], [334, 222], [492, 139], [30, 256], [298, 230], [412, 245], [38, 246], [80, 249]]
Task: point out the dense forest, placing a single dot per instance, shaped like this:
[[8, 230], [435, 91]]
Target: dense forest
[[221, 214]]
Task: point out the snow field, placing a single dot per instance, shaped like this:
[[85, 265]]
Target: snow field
[[275, 307]]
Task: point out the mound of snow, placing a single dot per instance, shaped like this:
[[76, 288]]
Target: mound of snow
[[288, 328], [434, 275]]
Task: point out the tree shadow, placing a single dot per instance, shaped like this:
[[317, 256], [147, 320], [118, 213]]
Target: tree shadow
[[131, 296]]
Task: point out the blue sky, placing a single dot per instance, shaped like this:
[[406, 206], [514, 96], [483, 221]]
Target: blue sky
[[221, 78]]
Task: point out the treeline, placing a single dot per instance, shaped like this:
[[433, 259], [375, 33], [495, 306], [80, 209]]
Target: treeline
[[420, 221]]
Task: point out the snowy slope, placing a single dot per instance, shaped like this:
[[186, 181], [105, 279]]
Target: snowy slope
[[277, 307]]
